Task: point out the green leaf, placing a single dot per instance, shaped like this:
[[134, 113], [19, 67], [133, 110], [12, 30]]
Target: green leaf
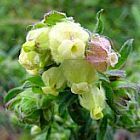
[[53, 17], [36, 80], [69, 101], [37, 90], [78, 114], [110, 96], [65, 98], [27, 84], [99, 25], [14, 51], [46, 100], [124, 85], [102, 129], [2, 55], [126, 120], [12, 93], [124, 52], [109, 133], [38, 25], [103, 77], [116, 73]]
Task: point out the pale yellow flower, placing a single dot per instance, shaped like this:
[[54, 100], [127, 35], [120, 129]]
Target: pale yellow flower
[[29, 60], [34, 34], [32, 72], [50, 90], [71, 31], [71, 49], [77, 71], [94, 101], [112, 59], [96, 113], [80, 88], [54, 80], [37, 39]]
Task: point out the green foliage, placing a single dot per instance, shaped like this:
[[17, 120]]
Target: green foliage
[[121, 21], [53, 17], [102, 129], [99, 25], [124, 53]]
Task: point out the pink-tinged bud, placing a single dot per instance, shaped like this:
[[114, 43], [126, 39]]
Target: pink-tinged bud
[[99, 53], [101, 41]]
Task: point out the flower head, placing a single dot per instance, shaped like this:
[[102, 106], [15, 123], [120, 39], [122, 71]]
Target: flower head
[[33, 62], [37, 40], [77, 71], [94, 101], [29, 60], [54, 81], [80, 88], [100, 53], [67, 41]]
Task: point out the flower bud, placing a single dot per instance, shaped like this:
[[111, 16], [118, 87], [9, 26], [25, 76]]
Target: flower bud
[[35, 130], [29, 60], [37, 40], [25, 106], [100, 54], [96, 113], [34, 62], [34, 34], [29, 46]]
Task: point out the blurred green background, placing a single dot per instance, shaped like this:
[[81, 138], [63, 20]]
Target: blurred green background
[[121, 22]]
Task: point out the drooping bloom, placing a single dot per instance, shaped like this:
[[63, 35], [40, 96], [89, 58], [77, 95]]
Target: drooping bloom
[[54, 81], [94, 101], [80, 88], [79, 70], [100, 53]]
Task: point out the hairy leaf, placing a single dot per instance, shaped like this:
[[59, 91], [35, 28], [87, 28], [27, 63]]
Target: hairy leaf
[[99, 25], [36, 80], [78, 114], [116, 73], [109, 95], [102, 129], [121, 84], [12, 93], [124, 52], [53, 17]]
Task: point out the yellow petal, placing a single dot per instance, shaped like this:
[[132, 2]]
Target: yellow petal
[[80, 88]]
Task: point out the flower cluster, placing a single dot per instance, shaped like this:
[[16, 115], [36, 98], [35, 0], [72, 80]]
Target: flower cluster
[[67, 55]]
